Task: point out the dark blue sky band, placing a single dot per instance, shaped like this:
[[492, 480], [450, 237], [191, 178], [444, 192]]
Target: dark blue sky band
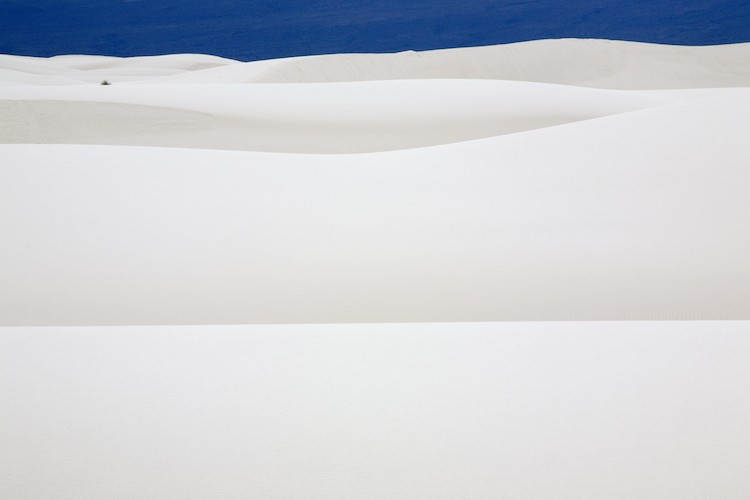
[[263, 29]]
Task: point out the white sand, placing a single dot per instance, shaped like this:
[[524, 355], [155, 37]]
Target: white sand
[[558, 411], [577, 203], [641, 215], [439, 97], [543, 181], [77, 69], [590, 63], [315, 118]]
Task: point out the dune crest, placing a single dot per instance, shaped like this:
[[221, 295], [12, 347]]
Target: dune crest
[[589, 63], [351, 117], [594, 63]]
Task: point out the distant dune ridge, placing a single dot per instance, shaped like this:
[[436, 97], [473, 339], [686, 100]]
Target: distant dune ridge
[[583, 62], [547, 180]]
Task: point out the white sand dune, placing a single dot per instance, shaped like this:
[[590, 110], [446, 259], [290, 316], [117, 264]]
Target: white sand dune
[[440, 97], [641, 215], [590, 63], [321, 118], [563, 202], [581, 62], [540, 182], [630, 410], [80, 69]]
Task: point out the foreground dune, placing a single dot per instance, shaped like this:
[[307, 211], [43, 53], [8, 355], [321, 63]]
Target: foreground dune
[[632, 410]]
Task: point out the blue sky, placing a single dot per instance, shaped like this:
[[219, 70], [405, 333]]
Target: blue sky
[[262, 29]]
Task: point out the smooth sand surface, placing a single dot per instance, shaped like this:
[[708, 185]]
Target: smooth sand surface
[[353, 117], [581, 62], [616, 410], [589, 63], [431, 98], [640, 215], [526, 186], [469, 199]]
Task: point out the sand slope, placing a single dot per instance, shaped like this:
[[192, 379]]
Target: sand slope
[[319, 118], [442, 96], [590, 63], [79, 69], [542, 183], [474, 199], [640, 215], [423, 411]]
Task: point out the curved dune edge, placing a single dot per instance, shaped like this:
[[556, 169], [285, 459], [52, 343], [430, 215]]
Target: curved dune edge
[[641, 215], [357, 117], [582, 62]]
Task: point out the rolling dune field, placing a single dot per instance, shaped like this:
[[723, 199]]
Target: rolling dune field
[[516, 271]]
